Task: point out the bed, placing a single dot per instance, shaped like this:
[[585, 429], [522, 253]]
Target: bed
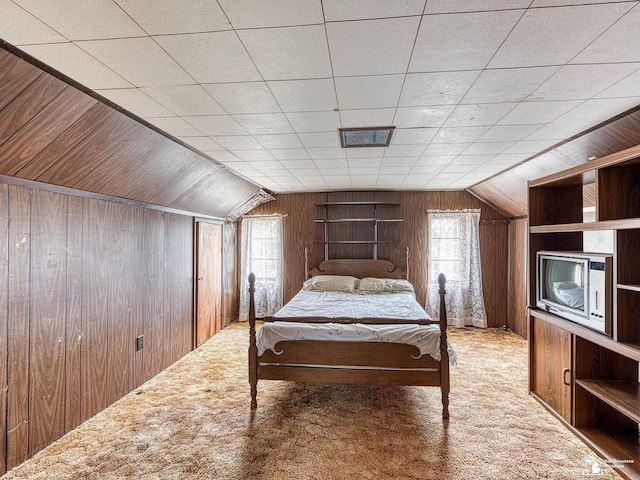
[[334, 336]]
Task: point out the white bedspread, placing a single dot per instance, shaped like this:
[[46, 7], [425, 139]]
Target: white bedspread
[[336, 305], [348, 305]]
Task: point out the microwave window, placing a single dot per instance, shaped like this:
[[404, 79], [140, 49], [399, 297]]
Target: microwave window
[[564, 282]]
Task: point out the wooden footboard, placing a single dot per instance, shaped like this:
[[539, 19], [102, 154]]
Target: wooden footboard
[[350, 362]]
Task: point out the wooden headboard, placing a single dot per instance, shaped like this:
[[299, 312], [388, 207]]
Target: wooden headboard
[[358, 267]]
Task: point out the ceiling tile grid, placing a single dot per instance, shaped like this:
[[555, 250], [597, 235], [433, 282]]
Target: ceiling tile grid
[[472, 87]]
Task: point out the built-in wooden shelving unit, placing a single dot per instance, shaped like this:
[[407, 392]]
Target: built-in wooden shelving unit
[[341, 220], [593, 387]]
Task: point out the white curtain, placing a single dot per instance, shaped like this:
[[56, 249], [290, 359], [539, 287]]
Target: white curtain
[[454, 249], [261, 253]]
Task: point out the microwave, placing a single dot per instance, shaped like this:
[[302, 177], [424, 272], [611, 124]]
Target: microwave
[[576, 286]]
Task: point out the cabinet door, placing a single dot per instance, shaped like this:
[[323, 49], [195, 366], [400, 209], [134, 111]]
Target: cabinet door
[[550, 374]]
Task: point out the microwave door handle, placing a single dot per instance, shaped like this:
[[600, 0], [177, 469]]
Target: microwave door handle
[[597, 308]]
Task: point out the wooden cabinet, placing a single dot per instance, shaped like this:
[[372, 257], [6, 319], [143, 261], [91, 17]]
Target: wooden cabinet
[[551, 372], [601, 404]]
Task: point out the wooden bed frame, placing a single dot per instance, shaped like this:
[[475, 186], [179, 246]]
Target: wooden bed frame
[[351, 362]]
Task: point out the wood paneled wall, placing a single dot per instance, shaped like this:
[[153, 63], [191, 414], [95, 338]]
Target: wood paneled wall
[[518, 260], [52, 130], [300, 231], [80, 279]]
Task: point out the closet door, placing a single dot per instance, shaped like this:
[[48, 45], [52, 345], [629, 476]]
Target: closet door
[[209, 280]]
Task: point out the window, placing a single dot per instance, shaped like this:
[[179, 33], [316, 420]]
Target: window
[[261, 253], [454, 249]]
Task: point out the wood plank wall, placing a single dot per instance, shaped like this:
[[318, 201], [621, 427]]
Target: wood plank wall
[[518, 260], [300, 231], [80, 279]]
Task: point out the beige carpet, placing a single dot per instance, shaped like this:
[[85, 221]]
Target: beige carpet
[[193, 422]]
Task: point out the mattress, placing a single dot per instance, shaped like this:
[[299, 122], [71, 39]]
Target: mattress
[[393, 308]]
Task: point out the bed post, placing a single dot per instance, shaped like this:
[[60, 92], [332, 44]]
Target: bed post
[[444, 354], [253, 349]]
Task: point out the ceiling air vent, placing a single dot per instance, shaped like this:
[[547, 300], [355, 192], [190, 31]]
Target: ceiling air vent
[[366, 137]]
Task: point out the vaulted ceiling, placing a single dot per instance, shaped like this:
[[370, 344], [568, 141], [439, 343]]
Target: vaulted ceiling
[[473, 87]]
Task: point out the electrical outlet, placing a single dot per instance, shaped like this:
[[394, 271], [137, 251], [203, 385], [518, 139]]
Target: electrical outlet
[[139, 342]]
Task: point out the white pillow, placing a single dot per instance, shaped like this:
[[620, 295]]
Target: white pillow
[[332, 283], [385, 285]]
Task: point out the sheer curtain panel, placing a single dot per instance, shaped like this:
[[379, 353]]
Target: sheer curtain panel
[[454, 249], [261, 253]]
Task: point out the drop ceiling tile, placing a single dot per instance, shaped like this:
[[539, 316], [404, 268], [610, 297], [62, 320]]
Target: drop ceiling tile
[[136, 101], [338, 10], [443, 88], [370, 162], [553, 36], [272, 13], [19, 27], [438, 149], [414, 117], [489, 169], [404, 150], [455, 169], [185, 99], [471, 159], [365, 180], [618, 44], [322, 139], [509, 158], [372, 47], [308, 122], [412, 136], [425, 169], [453, 6], [186, 16], [77, 64], [298, 164], [478, 114], [538, 112], [435, 160], [530, 146], [216, 125], [488, 148], [238, 142], [264, 123], [326, 152], [250, 97], [331, 163], [459, 134], [509, 133], [390, 180], [376, 91], [574, 82], [395, 170], [560, 3], [289, 53], [327, 170], [627, 87], [84, 20], [204, 144], [226, 58], [309, 173], [399, 161], [465, 41], [372, 117], [508, 85], [225, 157], [139, 60], [304, 95], [364, 152], [357, 172], [557, 132], [253, 155], [273, 168], [289, 153], [175, 126], [286, 140]]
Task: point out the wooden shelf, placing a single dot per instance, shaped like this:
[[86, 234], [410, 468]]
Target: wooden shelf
[[623, 396], [335, 204], [623, 224], [358, 242], [633, 288], [613, 448], [349, 220]]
